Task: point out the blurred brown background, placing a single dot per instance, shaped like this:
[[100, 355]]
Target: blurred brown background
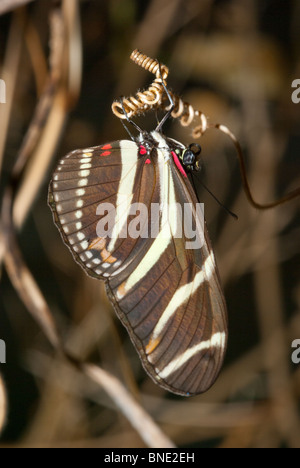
[[235, 61]]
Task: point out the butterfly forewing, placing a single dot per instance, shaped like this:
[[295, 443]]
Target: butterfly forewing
[[108, 177], [168, 296]]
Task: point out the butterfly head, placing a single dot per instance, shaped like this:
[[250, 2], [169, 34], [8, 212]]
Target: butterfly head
[[189, 157], [186, 158]]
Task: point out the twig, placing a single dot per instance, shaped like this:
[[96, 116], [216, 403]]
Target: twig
[[64, 100], [45, 103], [41, 158], [9, 5], [3, 404], [10, 74], [19, 274], [26, 286], [138, 417]]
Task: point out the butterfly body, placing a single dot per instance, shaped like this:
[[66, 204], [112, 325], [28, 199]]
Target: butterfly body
[[121, 211]]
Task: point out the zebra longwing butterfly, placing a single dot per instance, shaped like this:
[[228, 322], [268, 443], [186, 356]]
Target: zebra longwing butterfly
[[167, 296]]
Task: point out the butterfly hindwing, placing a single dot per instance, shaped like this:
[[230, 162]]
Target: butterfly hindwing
[[168, 296]]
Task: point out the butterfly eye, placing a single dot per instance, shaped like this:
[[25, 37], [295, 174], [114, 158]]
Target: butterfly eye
[[188, 157]]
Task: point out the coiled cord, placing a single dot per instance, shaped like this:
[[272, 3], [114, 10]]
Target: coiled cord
[[154, 98]]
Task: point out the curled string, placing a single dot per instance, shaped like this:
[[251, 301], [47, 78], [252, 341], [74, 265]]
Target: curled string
[[154, 98]]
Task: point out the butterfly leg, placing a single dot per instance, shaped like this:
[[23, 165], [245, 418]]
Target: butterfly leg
[[171, 101], [131, 122]]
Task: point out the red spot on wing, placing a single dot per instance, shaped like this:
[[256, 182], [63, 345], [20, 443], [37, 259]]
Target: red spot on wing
[[105, 153], [177, 162], [142, 151], [147, 161], [106, 147]]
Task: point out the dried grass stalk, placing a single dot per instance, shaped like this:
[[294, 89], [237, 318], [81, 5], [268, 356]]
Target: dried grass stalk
[[10, 5], [3, 404]]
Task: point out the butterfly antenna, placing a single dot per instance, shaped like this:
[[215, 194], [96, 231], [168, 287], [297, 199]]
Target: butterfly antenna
[[234, 216]]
